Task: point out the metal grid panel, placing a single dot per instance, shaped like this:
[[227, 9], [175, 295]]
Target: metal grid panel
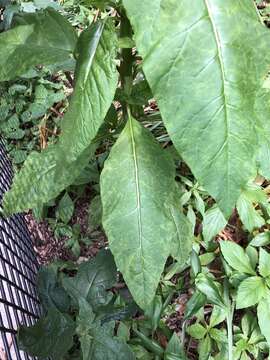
[[18, 269]]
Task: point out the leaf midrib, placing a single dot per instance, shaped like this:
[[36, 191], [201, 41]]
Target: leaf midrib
[[138, 196], [222, 67]]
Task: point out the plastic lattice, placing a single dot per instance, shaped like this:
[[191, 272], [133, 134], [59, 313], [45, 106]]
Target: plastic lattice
[[19, 304]]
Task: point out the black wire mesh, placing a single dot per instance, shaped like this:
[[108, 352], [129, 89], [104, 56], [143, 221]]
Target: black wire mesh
[[18, 270]]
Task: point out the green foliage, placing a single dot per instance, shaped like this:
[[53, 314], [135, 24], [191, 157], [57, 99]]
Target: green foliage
[[137, 210], [157, 195], [72, 315], [174, 54], [50, 336], [27, 44]]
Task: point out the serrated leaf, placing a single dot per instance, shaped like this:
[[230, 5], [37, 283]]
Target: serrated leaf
[[236, 257], [204, 88], [213, 223], [65, 208], [264, 263], [42, 38], [97, 342], [263, 312], [93, 279], [135, 208], [51, 336], [96, 81], [250, 292]]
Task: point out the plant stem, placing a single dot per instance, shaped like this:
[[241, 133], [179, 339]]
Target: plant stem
[[126, 67], [230, 331]]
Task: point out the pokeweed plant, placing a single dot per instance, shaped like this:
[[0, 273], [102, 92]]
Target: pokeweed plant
[[206, 66]]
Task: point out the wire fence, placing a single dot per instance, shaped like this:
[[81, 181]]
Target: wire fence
[[19, 303]]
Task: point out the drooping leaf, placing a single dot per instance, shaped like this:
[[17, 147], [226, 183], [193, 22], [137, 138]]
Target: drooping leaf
[[37, 182], [250, 292], [93, 279], [213, 223], [96, 81], [51, 336], [135, 216], [215, 134], [97, 342], [263, 312], [236, 257], [51, 293], [41, 38], [264, 263]]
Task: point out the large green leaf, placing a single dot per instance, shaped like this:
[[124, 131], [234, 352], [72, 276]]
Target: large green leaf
[[137, 187], [96, 81], [93, 279], [45, 175], [97, 342], [42, 38], [205, 64], [51, 336]]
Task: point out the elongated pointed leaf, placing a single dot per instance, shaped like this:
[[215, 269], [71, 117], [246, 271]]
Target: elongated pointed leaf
[[96, 82], [136, 183], [205, 64], [43, 38], [45, 175]]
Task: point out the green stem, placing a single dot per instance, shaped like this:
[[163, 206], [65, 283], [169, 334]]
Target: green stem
[[126, 67], [230, 331]]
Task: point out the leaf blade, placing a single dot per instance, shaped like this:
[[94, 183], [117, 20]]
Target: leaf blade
[[178, 71]]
